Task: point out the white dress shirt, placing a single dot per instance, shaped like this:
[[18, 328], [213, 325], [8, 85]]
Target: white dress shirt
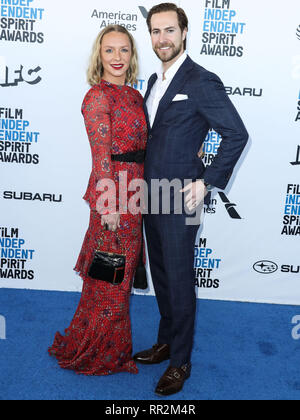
[[161, 86]]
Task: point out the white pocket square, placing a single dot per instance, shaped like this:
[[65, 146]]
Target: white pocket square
[[180, 98]]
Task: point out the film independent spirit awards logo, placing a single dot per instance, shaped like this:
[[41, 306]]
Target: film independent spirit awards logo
[[19, 23], [296, 162]]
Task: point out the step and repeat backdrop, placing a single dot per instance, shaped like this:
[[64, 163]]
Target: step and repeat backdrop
[[248, 246]]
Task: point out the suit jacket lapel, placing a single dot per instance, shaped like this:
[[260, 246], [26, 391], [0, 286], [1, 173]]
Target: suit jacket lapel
[[175, 87], [151, 83]]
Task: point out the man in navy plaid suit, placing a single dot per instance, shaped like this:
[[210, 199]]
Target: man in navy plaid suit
[[183, 102]]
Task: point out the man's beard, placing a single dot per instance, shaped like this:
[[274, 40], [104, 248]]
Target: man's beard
[[175, 53]]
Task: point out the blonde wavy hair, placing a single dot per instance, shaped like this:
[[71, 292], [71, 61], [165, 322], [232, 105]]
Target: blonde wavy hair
[[95, 69]]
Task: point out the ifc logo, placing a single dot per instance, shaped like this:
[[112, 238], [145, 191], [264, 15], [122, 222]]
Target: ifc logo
[[265, 267], [298, 32]]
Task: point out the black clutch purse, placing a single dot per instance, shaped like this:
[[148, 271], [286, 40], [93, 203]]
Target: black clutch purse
[[108, 267]]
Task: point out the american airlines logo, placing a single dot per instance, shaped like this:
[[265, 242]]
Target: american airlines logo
[[298, 32], [230, 207], [144, 11]]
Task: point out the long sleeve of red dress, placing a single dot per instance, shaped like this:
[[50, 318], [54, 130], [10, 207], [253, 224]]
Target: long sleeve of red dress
[[96, 112]]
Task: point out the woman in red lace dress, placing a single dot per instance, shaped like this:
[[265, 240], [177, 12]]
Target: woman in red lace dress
[[98, 341]]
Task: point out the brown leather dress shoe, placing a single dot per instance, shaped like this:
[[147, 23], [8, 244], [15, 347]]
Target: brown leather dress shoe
[[159, 353], [173, 380]]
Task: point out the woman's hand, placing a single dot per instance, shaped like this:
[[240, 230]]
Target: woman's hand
[[111, 221]]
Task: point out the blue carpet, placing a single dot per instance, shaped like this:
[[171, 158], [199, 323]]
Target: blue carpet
[[242, 352]]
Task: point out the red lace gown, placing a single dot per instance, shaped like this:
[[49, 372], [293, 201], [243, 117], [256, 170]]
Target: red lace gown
[[98, 341]]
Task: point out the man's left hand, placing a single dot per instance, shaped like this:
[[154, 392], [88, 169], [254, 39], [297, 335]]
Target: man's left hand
[[196, 193]]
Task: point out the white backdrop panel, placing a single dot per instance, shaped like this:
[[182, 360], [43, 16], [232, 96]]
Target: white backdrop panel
[[42, 85]]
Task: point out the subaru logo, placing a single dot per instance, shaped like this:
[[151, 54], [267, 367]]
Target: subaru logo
[[265, 267]]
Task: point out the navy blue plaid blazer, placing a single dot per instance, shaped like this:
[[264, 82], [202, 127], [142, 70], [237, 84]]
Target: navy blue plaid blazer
[[181, 127]]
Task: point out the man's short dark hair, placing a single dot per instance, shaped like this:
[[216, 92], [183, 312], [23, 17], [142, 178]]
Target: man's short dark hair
[[170, 7]]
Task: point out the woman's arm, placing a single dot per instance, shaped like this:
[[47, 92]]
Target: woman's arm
[[96, 112]]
